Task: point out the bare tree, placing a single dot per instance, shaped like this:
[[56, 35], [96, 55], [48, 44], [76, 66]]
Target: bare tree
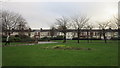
[[21, 25], [63, 25], [11, 20], [89, 28], [8, 20], [103, 26], [79, 22], [52, 31], [115, 23]]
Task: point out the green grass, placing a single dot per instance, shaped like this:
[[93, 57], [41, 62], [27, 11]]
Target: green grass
[[102, 54], [0, 56]]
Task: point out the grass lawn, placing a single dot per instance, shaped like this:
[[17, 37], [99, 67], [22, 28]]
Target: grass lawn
[[102, 54]]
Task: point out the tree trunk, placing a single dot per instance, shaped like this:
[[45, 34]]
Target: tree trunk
[[91, 35], [64, 37], [118, 33], [87, 36], [29, 32], [78, 35], [104, 36], [100, 35]]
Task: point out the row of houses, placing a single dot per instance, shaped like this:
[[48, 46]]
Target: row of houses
[[71, 33]]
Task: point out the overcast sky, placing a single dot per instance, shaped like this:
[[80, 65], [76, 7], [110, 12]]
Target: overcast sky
[[43, 14]]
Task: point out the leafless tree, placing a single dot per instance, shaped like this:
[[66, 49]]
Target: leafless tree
[[104, 26], [63, 25], [118, 25], [52, 31], [21, 25], [79, 22], [89, 27], [115, 23], [8, 20], [12, 20]]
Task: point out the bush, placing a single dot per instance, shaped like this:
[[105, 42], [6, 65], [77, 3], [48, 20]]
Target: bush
[[4, 38], [14, 39], [18, 38], [75, 38], [57, 38], [116, 38], [44, 39], [51, 38], [25, 38]]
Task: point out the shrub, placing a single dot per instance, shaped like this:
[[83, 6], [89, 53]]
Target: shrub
[[4, 38], [115, 38], [14, 39], [18, 38], [25, 38], [44, 39], [51, 38], [75, 38], [57, 38]]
